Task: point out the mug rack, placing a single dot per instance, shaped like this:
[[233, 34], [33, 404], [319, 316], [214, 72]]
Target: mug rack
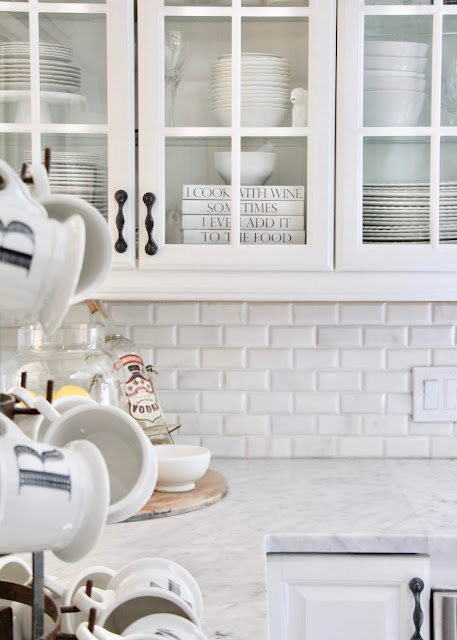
[[38, 600]]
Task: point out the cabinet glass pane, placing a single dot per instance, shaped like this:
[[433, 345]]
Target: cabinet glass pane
[[274, 61], [275, 3], [449, 72], [73, 72], [197, 200], [273, 191], [193, 3], [396, 190], [399, 2], [397, 64], [14, 68], [13, 148], [448, 191], [79, 167], [191, 47]]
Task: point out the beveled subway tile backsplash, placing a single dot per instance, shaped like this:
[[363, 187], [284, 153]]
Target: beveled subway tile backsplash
[[293, 379]]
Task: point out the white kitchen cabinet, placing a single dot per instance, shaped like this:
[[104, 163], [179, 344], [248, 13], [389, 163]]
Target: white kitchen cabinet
[[396, 171], [67, 83], [183, 154], [346, 596], [153, 258]]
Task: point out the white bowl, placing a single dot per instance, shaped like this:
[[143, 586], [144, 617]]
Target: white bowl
[[392, 108], [395, 48], [180, 466], [253, 116], [256, 166], [395, 63], [390, 83], [385, 73]]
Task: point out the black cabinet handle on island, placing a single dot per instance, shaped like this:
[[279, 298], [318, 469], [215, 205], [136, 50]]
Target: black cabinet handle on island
[[417, 586], [151, 247], [121, 198]]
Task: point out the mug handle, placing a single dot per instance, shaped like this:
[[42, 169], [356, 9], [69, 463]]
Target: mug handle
[[50, 583], [14, 187], [99, 600], [41, 404], [40, 187], [23, 395], [83, 633]]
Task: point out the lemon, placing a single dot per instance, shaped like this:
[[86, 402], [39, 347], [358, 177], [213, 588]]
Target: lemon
[[70, 390]]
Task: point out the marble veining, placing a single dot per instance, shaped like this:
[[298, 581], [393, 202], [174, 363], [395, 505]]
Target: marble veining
[[353, 506]]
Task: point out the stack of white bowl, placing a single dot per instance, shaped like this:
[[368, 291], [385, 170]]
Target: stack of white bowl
[[265, 90], [394, 82]]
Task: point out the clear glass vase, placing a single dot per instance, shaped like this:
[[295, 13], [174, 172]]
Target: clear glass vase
[[74, 357]]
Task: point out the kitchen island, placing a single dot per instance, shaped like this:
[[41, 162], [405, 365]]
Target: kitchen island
[[290, 506]]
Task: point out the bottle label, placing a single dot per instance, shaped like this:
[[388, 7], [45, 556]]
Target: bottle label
[[139, 391]]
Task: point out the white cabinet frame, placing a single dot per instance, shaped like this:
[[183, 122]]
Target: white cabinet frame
[[351, 253], [171, 265], [120, 126]]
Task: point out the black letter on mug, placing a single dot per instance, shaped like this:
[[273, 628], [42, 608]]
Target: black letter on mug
[[44, 479], [17, 244]]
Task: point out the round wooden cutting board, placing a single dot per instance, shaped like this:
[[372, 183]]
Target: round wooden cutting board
[[208, 490]]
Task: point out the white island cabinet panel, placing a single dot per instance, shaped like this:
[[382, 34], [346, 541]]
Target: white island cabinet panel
[[349, 597]]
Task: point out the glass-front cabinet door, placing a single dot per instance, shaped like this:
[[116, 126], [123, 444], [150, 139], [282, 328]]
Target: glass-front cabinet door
[[236, 134], [67, 83], [396, 203]]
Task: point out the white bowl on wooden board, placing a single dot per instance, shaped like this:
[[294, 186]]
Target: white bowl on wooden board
[[180, 466]]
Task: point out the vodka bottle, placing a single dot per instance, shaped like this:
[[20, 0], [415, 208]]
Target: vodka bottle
[[139, 394]]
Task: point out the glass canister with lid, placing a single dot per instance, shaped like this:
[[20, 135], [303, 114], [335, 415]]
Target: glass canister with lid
[[74, 357]]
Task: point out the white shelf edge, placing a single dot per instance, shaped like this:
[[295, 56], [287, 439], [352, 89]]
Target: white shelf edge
[[227, 132], [270, 286]]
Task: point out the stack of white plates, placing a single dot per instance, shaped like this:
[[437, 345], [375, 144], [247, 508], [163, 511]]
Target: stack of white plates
[[265, 89], [58, 72], [401, 212], [394, 82], [80, 175]]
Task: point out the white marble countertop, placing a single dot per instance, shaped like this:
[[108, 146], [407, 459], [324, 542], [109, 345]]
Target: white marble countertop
[[288, 506]]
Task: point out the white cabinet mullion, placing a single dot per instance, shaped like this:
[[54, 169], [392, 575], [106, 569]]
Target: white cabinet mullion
[[121, 123]]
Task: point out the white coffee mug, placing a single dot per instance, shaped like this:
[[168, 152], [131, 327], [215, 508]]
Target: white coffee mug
[[162, 573], [13, 569], [116, 612], [40, 259], [98, 254], [41, 423], [166, 625], [24, 617], [100, 577], [140, 589], [50, 498], [83, 633], [129, 455]]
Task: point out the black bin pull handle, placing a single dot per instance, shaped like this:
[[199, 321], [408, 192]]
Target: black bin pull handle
[[149, 200], [121, 198], [417, 586]]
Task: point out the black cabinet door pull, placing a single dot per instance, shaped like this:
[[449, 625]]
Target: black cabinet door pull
[[151, 247], [417, 586], [121, 198]]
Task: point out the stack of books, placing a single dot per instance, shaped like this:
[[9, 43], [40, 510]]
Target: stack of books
[[268, 215]]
